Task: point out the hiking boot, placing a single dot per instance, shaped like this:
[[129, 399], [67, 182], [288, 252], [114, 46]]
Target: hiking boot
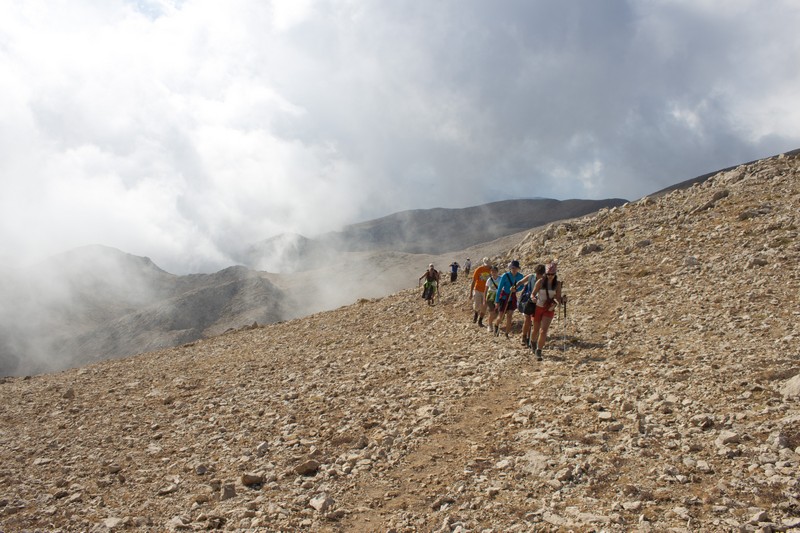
[[480, 322], [497, 331], [538, 354], [525, 341], [474, 318], [533, 345]]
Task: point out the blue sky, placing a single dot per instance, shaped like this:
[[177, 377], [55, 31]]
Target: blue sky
[[184, 130]]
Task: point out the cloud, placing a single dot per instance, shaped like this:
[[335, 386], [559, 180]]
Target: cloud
[[186, 130]]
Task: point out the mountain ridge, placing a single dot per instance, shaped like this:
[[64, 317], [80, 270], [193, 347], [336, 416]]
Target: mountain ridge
[[418, 231]]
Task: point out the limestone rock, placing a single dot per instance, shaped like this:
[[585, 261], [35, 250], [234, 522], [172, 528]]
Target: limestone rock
[[321, 502], [791, 388]]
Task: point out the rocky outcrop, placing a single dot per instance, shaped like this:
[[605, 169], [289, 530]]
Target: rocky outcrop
[[664, 402]]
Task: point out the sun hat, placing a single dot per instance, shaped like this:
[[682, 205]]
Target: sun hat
[[513, 264], [552, 266]]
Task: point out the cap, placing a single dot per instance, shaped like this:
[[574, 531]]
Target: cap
[[513, 264]]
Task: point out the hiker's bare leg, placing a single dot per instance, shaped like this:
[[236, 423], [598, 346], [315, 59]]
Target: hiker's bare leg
[[543, 333], [508, 322], [526, 327], [535, 333]]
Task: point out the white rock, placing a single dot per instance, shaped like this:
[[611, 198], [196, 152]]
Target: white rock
[[727, 437], [113, 523], [321, 502], [791, 388]]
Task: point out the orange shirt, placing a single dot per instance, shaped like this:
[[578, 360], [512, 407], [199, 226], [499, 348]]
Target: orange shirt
[[482, 273]]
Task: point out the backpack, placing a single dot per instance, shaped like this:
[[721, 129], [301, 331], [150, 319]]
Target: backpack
[[548, 289], [525, 296], [491, 293], [527, 305]]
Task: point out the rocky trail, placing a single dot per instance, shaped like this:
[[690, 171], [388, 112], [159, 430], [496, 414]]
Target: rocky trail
[[669, 400]]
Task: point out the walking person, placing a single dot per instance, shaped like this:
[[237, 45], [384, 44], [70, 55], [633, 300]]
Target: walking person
[[431, 287], [527, 305], [491, 293], [477, 289], [454, 266], [548, 296], [468, 266], [506, 299]]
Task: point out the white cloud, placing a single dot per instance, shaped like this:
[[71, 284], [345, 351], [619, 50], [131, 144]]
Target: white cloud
[[184, 130]]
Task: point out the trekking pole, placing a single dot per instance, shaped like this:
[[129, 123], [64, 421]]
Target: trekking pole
[[565, 325]]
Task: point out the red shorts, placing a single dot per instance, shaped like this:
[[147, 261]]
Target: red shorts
[[542, 311]]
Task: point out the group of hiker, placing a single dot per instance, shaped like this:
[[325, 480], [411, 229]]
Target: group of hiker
[[537, 296]]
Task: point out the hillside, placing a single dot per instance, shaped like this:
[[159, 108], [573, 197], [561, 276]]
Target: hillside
[[668, 399], [96, 302], [419, 231], [444, 230]]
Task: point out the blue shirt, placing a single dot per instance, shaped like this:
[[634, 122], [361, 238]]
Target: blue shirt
[[506, 280]]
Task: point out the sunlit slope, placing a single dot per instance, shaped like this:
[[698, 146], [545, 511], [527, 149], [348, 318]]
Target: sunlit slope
[[667, 399]]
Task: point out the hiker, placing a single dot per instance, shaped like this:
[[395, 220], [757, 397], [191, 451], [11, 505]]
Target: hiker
[[547, 292], [431, 284], [527, 303], [492, 283], [454, 266], [477, 289], [506, 299], [467, 267]]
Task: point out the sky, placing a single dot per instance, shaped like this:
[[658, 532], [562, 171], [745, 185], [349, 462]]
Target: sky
[[186, 130]]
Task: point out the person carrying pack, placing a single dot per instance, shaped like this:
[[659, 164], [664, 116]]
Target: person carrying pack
[[527, 304], [477, 289], [506, 299], [431, 287], [547, 292]]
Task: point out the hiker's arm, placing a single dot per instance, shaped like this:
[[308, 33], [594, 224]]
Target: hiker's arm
[[537, 287]]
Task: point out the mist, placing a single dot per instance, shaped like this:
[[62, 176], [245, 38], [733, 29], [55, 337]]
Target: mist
[[96, 302], [188, 130]]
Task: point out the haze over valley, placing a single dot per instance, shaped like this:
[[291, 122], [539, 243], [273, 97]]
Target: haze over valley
[[97, 302]]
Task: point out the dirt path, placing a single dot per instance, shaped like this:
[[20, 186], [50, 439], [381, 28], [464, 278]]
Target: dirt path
[[421, 482]]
